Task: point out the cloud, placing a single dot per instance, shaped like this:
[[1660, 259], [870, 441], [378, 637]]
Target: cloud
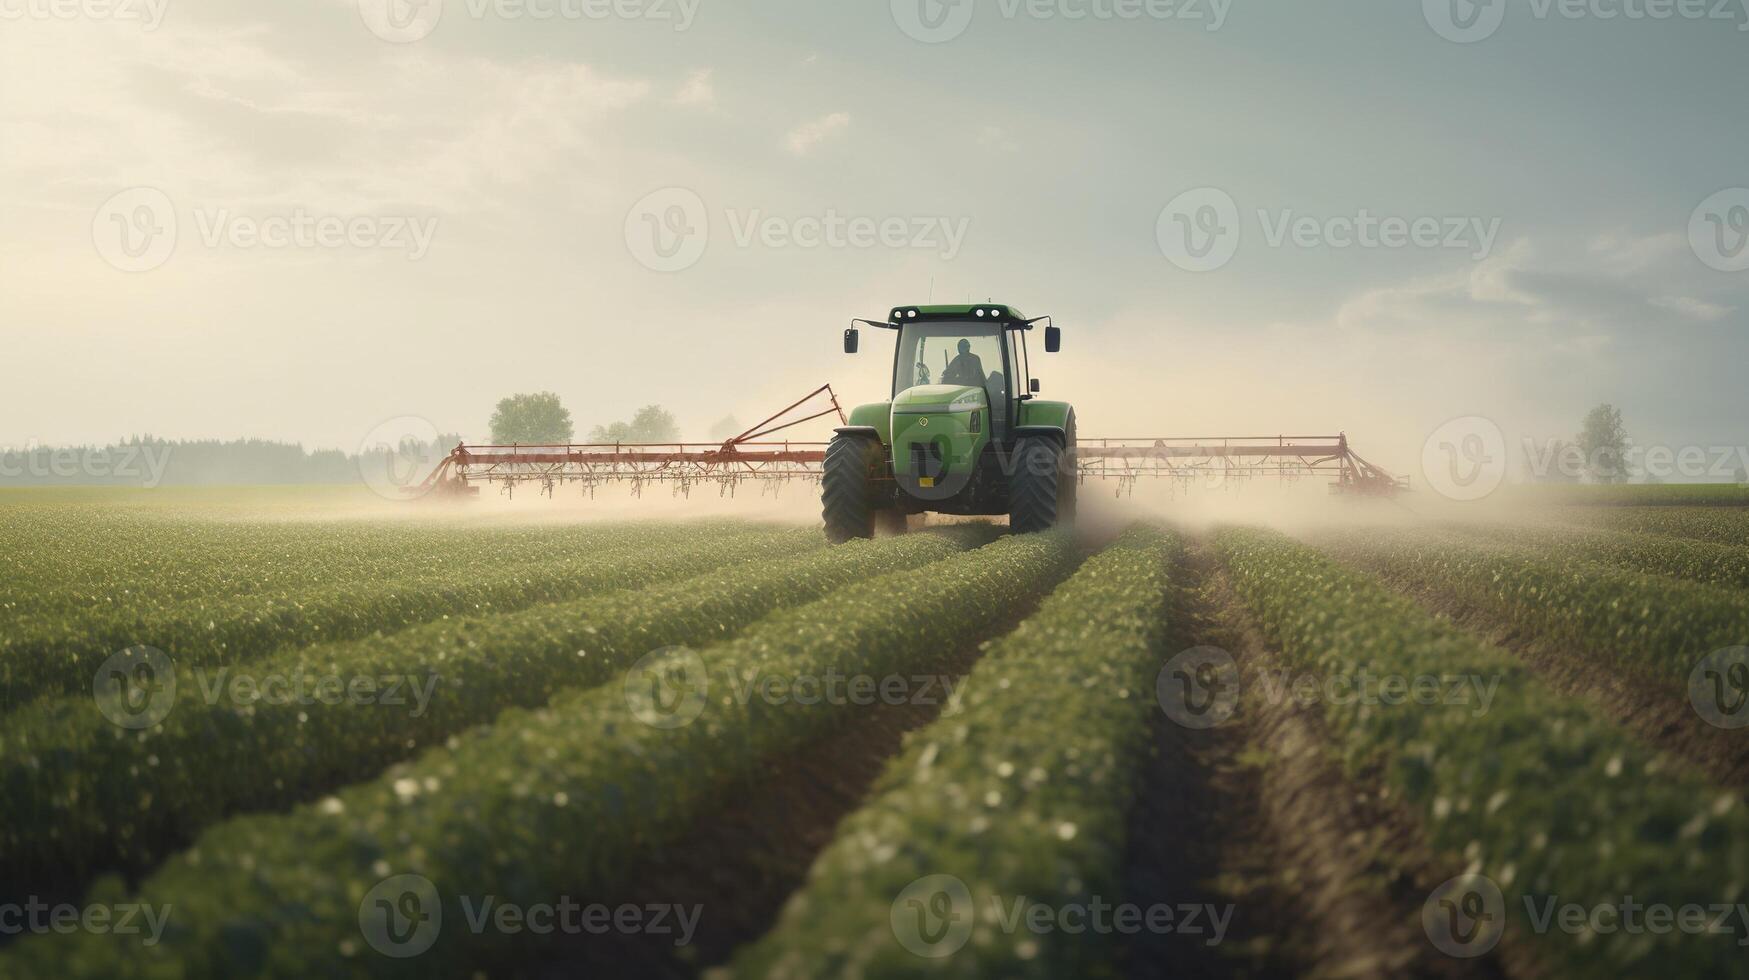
[[1567, 295], [808, 135], [239, 115], [696, 90]]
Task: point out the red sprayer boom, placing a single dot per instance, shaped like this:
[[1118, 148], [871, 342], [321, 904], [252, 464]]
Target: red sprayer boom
[[752, 455]]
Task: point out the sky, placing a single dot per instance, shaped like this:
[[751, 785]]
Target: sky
[[298, 220]]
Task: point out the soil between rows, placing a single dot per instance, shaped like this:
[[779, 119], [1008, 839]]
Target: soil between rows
[[753, 850], [1327, 875]]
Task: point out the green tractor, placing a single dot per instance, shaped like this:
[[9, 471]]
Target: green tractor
[[964, 432]]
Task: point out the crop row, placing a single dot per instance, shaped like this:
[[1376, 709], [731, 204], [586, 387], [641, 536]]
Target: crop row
[[62, 657], [1638, 494], [79, 793], [541, 804], [1020, 791], [1720, 525], [1693, 561], [269, 581], [1652, 624], [69, 561], [1537, 792]]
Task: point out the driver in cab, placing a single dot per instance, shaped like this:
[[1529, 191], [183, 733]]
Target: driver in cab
[[966, 369]]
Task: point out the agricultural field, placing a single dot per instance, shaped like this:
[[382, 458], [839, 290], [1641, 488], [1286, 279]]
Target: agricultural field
[[276, 734]]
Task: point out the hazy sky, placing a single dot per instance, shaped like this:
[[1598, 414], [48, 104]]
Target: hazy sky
[[516, 202]]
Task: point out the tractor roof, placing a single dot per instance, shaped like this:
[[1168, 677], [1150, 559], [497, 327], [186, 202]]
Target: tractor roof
[[1000, 311]]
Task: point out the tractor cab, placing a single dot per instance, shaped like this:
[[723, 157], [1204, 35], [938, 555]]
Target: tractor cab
[[958, 362], [962, 422]]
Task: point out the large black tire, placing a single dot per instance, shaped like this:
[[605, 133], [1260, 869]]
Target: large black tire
[[1035, 489], [1068, 490], [847, 487]]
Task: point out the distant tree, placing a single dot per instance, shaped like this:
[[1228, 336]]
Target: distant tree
[[1604, 441], [1556, 461], [536, 418], [727, 428], [1743, 476], [652, 423]]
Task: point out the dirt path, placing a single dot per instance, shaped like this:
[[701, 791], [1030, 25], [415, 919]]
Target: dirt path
[[1327, 877], [744, 861]]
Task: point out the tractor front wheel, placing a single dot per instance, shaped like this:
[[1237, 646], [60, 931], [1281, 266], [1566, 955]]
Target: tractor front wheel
[[1035, 490], [847, 487]]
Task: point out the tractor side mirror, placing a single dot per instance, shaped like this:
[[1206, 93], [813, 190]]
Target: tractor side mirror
[[1053, 340], [1034, 386], [850, 339]]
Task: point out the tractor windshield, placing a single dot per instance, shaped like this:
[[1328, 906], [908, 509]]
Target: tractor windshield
[[965, 353]]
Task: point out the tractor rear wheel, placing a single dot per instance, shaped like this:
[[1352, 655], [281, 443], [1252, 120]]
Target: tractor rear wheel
[[1035, 490], [847, 487], [1069, 487]]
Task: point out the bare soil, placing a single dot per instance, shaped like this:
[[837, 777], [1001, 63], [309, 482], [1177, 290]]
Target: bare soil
[[1328, 874]]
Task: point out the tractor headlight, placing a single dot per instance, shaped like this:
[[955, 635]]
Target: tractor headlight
[[971, 401]]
